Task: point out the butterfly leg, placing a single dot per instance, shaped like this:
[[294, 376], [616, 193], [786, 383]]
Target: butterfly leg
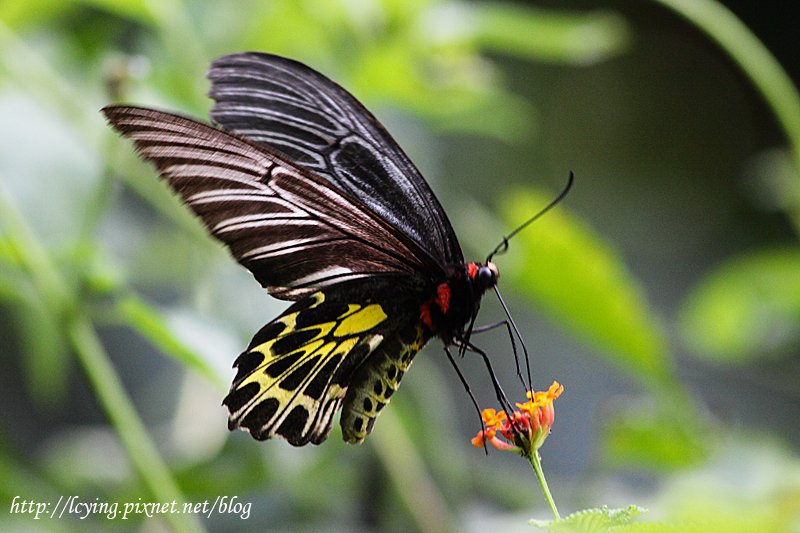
[[505, 404], [495, 325], [469, 391], [501, 396]]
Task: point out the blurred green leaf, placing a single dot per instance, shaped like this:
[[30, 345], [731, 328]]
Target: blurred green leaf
[[461, 96], [293, 29], [748, 307], [62, 296], [11, 263], [586, 37], [752, 483], [425, 56], [139, 10], [16, 14], [565, 267], [19, 13], [660, 436]]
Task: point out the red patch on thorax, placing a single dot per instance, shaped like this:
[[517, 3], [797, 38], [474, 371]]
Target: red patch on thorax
[[442, 302], [443, 297], [472, 270], [425, 315]]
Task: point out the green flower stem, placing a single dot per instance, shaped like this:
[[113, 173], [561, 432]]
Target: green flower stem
[[536, 463], [755, 60]]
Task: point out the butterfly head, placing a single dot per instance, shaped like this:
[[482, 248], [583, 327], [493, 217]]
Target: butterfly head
[[483, 276]]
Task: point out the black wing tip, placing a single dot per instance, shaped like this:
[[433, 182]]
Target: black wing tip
[[118, 114], [126, 109], [261, 434], [114, 113]]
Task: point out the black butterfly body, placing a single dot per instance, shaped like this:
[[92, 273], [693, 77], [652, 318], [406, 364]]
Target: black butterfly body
[[312, 195]]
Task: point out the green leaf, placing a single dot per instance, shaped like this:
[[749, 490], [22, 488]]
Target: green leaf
[[599, 519], [582, 282], [748, 307]]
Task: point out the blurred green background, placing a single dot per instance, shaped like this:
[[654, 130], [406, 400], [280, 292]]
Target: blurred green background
[[664, 293]]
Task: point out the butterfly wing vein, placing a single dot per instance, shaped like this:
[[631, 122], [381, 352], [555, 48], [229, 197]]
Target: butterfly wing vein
[[295, 233]]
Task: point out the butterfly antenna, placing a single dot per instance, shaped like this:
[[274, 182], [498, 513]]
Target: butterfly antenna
[[503, 245]]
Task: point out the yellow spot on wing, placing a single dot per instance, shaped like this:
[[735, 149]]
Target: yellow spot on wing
[[266, 382], [346, 345], [360, 321], [324, 330], [324, 351], [351, 308]]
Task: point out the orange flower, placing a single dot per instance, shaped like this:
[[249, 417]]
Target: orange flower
[[479, 440], [528, 428], [493, 418]]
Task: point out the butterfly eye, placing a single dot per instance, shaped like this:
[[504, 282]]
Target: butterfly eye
[[487, 275]]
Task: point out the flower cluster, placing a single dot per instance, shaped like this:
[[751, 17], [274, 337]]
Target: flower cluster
[[528, 427]]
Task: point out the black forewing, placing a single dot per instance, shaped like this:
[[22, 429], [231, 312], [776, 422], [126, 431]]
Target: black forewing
[[291, 229], [303, 114]]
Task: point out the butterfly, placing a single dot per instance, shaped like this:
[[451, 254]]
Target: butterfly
[[312, 195]]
